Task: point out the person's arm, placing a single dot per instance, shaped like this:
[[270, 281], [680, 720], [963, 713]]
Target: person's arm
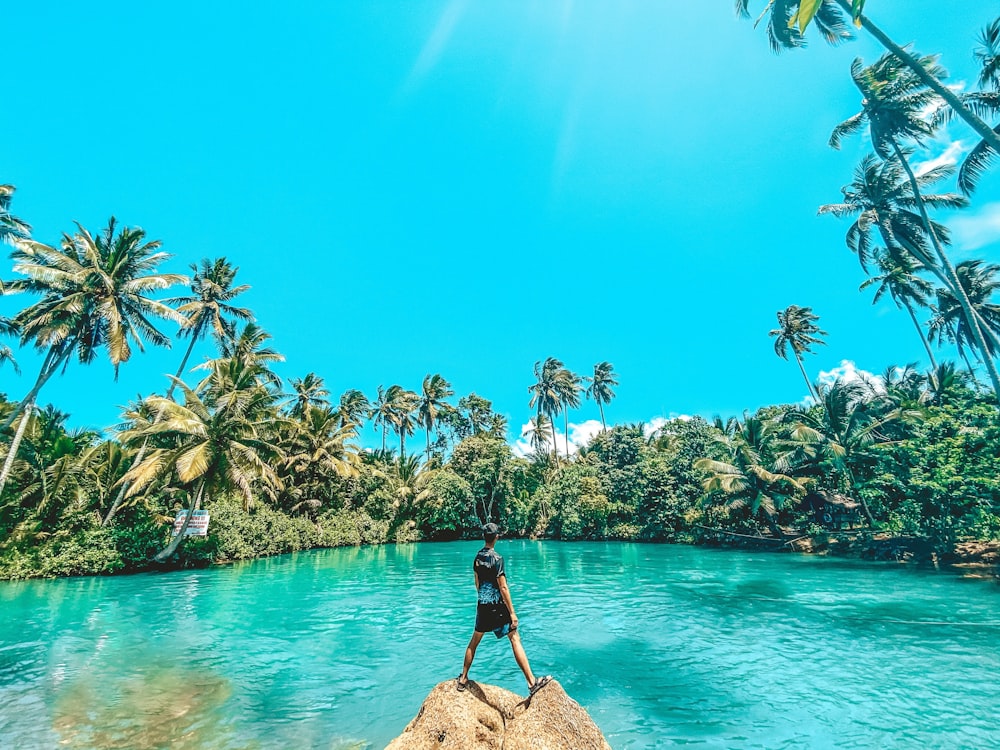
[[476, 576], [505, 593]]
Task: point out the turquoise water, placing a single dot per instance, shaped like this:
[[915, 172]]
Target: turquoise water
[[664, 645]]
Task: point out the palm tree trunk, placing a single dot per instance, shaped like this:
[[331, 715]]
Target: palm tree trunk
[[14, 445], [402, 443], [167, 551], [120, 497], [861, 499], [802, 369], [428, 456], [555, 443], [566, 416], [968, 365], [49, 366], [963, 299], [985, 131], [604, 426], [920, 333]]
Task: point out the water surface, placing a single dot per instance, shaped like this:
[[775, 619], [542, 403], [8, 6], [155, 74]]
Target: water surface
[[664, 645]]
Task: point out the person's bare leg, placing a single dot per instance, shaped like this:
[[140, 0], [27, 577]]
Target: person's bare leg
[[470, 654], [521, 658]]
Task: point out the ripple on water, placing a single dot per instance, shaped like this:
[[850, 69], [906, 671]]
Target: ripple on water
[[663, 645]]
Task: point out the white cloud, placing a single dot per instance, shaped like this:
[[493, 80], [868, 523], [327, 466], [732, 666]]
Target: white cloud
[[581, 433], [947, 158], [973, 231], [848, 372]]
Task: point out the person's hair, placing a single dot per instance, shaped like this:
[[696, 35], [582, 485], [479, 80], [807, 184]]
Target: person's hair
[[488, 537]]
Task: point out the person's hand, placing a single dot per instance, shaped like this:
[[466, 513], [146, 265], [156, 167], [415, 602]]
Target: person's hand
[[513, 622]]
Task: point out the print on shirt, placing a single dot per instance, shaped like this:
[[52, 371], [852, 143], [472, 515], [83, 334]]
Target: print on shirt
[[489, 567]]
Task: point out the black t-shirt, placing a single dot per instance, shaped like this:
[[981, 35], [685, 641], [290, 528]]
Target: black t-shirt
[[489, 567]]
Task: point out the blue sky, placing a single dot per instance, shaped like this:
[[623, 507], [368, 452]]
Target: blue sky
[[467, 187]]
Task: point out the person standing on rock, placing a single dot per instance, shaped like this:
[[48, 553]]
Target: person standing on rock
[[495, 611]]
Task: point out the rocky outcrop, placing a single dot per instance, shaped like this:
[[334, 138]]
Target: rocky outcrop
[[486, 717]]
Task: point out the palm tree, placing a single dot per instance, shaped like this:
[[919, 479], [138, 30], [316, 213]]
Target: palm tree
[[601, 383], [894, 104], [897, 277], [568, 386], [317, 449], [434, 391], [979, 282], [788, 20], [12, 228], [755, 473], [249, 353], [381, 413], [498, 426], [985, 101], [310, 392], [210, 447], [545, 394], [536, 432], [401, 405], [881, 196], [851, 418], [354, 407], [94, 293], [208, 309], [797, 330]]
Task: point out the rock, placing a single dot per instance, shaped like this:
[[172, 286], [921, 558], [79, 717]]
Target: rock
[[484, 717]]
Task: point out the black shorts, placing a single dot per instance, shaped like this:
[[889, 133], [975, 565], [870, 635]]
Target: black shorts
[[495, 617]]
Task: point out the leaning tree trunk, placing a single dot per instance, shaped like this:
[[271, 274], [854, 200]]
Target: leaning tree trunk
[[802, 369], [14, 445], [861, 499], [49, 366], [604, 426], [920, 333], [985, 131], [555, 442], [566, 416], [167, 551], [963, 299]]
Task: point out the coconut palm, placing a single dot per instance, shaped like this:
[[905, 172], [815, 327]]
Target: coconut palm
[[852, 417], [94, 293], [787, 22], [986, 101], [755, 474], [797, 330], [498, 426], [434, 392], [210, 447], [309, 392], [897, 278], [545, 394], [536, 432], [354, 407], [208, 308], [249, 354], [881, 197], [12, 228], [381, 413], [401, 406], [894, 106], [317, 448], [569, 387], [979, 282], [601, 383]]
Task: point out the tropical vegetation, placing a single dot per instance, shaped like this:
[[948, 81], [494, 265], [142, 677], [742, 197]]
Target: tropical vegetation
[[905, 455]]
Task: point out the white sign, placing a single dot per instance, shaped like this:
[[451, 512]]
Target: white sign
[[198, 526]]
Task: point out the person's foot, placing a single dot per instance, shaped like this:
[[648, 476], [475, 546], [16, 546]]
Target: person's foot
[[539, 684], [461, 684]]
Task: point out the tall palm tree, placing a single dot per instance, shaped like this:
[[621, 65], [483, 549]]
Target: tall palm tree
[[986, 101], [401, 405], [354, 407], [11, 227], [797, 330], [317, 448], [206, 310], [536, 432], [432, 398], [569, 388], [894, 106], [601, 383], [309, 392], [94, 293], [881, 196], [210, 447], [381, 413], [979, 282], [787, 22], [898, 278], [545, 394]]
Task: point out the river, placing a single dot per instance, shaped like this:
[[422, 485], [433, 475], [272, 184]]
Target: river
[[664, 645]]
